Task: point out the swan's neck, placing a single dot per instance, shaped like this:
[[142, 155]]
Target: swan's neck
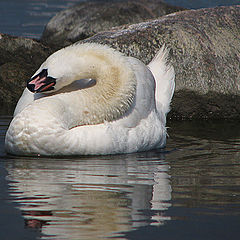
[[112, 95]]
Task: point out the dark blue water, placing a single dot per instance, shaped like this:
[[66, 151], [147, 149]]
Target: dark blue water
[[28, 17]]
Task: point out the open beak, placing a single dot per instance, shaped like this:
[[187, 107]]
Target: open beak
[[41, 82]]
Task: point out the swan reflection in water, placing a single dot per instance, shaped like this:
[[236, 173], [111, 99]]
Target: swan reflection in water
[[91, 197]]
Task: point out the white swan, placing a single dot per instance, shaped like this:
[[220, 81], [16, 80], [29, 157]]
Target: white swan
[[90, 99]]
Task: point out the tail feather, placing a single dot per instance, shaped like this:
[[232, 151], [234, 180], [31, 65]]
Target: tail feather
[[164, 75]]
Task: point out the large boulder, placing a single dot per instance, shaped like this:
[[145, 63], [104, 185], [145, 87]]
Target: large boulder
[[88, 18], [20, 58], [204, 50]]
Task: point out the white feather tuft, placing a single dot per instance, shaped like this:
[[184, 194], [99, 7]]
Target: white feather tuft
[[164, 75]]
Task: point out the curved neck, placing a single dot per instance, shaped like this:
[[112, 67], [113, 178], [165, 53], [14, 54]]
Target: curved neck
[[114, 91]]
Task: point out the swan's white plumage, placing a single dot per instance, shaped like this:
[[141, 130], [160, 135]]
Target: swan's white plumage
[[164, 76], [121, 113]]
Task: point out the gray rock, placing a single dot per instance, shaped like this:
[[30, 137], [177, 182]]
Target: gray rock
[[20, 58], [205, 51], [88, 18]]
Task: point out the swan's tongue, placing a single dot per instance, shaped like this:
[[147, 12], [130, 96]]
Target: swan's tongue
[[41, 82]]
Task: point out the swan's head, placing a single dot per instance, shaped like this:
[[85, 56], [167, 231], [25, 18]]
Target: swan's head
[[59, 70]]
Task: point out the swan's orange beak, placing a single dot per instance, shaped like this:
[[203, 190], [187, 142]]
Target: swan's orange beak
[[41, 82]]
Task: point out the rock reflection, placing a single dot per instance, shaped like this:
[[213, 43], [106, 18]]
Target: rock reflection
[[90, 198]]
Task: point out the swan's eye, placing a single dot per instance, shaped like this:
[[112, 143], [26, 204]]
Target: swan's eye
[[41, 82]]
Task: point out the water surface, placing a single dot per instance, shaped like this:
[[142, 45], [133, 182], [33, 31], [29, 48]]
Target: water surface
[[28, 18], [189, 190]]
